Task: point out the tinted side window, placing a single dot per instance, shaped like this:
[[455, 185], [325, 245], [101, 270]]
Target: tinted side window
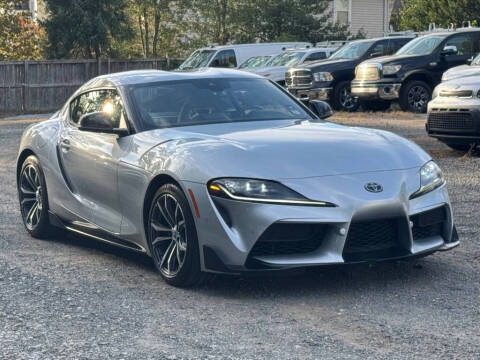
[[316, 56], [98, 101], [396, 44], [463, 42], [380, 48], [225, 59]]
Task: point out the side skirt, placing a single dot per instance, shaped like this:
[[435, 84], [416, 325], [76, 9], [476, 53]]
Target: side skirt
[[94, 232]]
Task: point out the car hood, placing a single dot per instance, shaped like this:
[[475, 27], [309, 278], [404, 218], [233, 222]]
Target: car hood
[[278, 150], [274, 72], [395, 59], [328, 64], [458, 84], [461, 71]]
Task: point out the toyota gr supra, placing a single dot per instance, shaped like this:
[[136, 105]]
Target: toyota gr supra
[[223, 171]]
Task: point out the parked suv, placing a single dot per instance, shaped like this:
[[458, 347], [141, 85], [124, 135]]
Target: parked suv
[[412, 73], [463, 70], [454, 113], [329, 80]]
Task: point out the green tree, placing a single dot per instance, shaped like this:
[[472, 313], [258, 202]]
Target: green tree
[[417, 14], [85, 28], [20, 37]]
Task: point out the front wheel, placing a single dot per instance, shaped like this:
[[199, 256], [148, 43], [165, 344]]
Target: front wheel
[[342, 98], [32, 194], [414, 96], [172, 237]]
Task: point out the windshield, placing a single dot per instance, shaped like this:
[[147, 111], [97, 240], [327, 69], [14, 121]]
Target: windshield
[[288, 59], [352, 50], [476, 61], [198, 59], [421, 46], [256, 61], [207, 101]]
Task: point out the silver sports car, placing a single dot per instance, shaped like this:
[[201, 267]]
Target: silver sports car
[[223, 171]]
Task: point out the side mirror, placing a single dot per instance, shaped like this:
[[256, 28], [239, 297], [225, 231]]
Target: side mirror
[[320, 108], [376, 54], [449, 50], [100, 122]]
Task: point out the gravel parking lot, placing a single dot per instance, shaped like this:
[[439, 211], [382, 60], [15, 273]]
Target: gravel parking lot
[[70, 297]]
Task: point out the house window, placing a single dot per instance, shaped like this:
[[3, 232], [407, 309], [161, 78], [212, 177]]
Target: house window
[[22, 5], [342, 11]]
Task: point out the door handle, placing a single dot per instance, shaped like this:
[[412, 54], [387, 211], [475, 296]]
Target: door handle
[[65, 145]]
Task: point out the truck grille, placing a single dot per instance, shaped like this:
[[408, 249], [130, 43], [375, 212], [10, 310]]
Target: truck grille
[[367, 72], [299, 78], [451, 120]]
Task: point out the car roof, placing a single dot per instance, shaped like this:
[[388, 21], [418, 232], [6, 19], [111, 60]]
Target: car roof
[[150, 76], [382, 38], [458, 31]]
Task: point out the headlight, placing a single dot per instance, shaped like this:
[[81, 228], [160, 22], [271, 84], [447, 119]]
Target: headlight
[[435, 93], [263, 191], [431, 177], [445, 76], [391, 69], [322, 76]]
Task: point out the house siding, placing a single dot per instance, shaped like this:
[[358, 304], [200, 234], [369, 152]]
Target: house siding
[[368, 15]]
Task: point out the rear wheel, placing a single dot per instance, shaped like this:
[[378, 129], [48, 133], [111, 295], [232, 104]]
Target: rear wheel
[[173, 237], [342, 98], [32, 194], [414, 96], [377, 105]]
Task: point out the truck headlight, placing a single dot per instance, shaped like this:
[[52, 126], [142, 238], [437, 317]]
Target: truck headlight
[[391, 69], [263, 191], [322, 76], [431, 178]]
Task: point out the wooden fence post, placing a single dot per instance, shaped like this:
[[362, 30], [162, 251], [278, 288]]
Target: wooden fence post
[[99, 66], [108, 65]]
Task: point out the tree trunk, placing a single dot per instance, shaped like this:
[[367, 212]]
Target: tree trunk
[[156, 28], [147, 37], [140, 25]]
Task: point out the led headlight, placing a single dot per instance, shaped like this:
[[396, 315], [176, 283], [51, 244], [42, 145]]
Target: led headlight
[[391, 69], [431, 177], [322, 76], [263, 191]]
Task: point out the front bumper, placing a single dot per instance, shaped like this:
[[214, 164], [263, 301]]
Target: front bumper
[[230, 232], [454, 120], [376, 90], [312, 94]]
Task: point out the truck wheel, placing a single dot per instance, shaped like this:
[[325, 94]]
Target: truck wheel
[[377, 105], [414, 96], [342, 98]]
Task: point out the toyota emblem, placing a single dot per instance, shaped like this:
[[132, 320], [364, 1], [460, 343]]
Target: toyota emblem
[[374, 187]]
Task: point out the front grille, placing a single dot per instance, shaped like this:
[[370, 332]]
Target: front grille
[[371, 236], [367, 72], [429, 223], [451, 120], [299, 78], [288, 239], [456, 93]]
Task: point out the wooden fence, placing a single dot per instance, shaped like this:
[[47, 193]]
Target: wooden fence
[[43, 86]]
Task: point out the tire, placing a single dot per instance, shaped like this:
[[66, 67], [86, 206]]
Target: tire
[[414, 96], [172, 238], [342, 98], [33, 199], [377, 105], [459, 147]]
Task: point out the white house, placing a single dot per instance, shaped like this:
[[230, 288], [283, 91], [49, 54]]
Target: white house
[[372, 16]]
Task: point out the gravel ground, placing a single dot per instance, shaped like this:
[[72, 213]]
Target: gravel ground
[[74, 298]]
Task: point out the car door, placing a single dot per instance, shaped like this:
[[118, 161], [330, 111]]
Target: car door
[[90, 159], [464, 44]]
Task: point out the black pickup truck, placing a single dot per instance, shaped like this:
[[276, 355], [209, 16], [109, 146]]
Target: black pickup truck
[[411, 74], [329, 79]]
